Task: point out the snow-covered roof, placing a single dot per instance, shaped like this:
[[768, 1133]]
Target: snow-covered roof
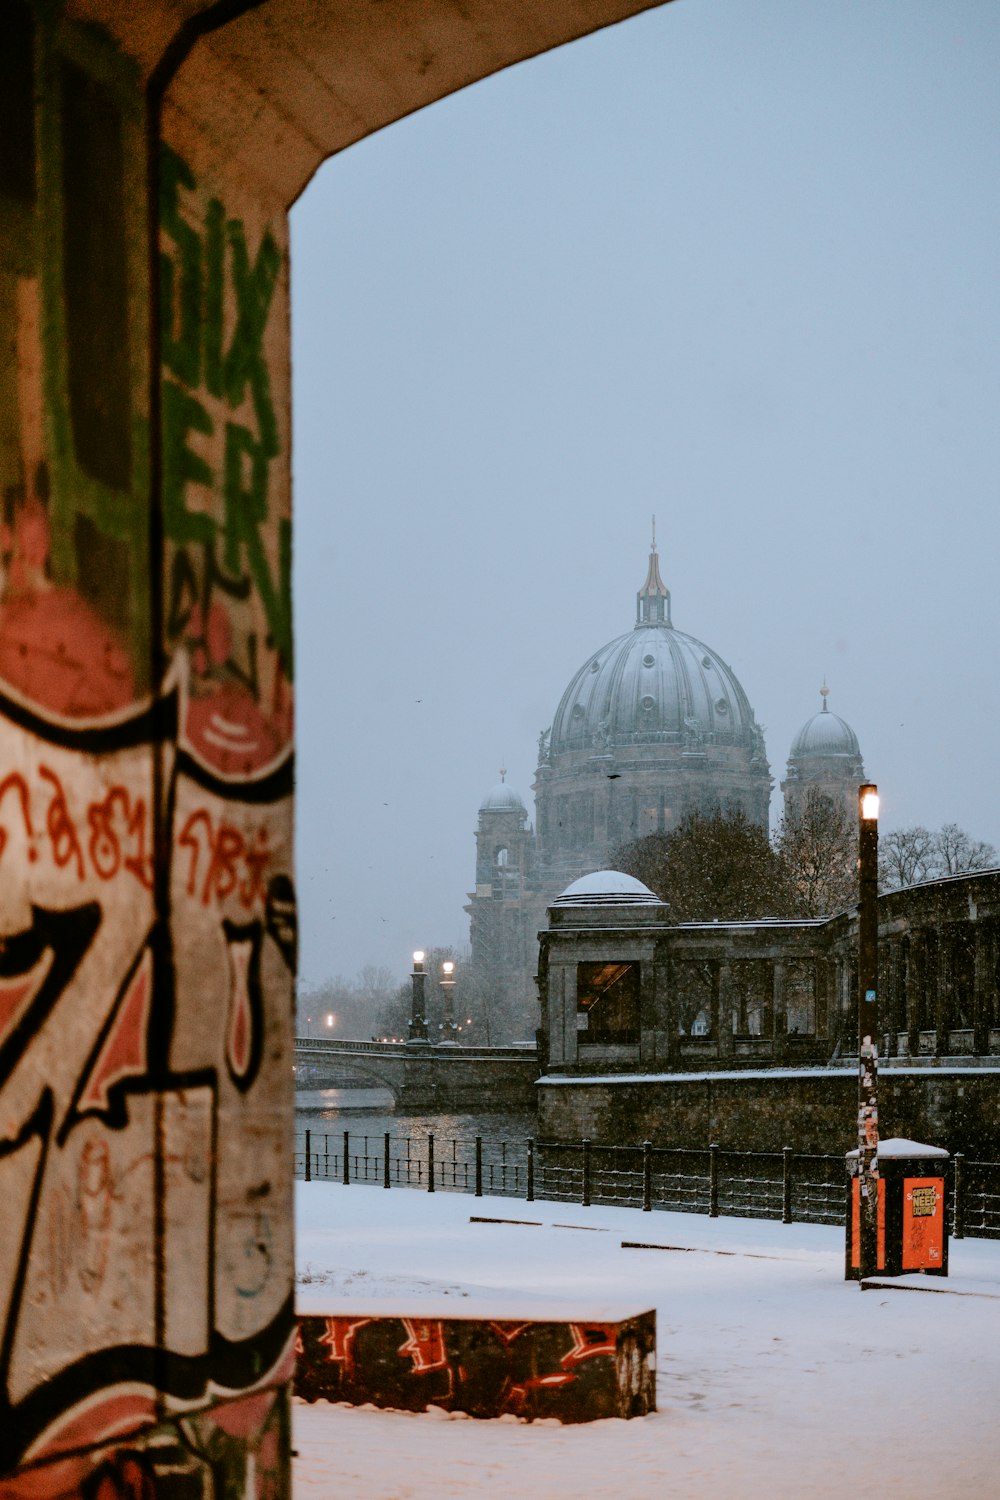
[[607, 888], [898, 1145]]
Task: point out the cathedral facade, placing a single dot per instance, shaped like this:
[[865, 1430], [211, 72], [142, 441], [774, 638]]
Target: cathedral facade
[[652, 727]]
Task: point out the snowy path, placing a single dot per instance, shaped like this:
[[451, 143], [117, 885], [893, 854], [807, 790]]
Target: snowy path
[[775, 1378]]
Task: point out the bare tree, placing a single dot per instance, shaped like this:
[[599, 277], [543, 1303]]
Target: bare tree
[[720, 865], [819, 845], [346, 1008], [957, 853], [905, 857]]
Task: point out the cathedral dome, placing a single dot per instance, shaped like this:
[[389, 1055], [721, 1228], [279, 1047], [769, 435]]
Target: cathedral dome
[[824, 737], [654, 686]]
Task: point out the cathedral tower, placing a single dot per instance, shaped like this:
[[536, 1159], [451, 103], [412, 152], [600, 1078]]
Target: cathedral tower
[[826, 758]]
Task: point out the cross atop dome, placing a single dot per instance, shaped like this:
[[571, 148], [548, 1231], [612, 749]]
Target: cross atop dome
[[653, 599], [824, 693]]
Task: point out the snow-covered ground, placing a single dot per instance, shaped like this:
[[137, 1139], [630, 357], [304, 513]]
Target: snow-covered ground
[[776, 1379]]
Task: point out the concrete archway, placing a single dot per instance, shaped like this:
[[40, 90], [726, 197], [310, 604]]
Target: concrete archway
[[148, 159]]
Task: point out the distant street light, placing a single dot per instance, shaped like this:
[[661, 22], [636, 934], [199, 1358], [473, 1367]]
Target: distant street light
[[868, 1029], [418, 1004], [447, 983], [330, 1020]]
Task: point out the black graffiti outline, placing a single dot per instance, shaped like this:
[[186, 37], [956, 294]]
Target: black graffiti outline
[[252, 933], [68, 935]]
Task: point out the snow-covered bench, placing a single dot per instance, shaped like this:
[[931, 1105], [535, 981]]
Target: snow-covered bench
[[531, 1359]]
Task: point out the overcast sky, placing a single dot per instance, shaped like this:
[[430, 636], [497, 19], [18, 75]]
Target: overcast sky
[[733, 263]]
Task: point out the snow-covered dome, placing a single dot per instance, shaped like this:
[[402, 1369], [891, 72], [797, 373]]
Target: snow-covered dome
[[607, 888], [825, 735], [654, 686], [503, 798]]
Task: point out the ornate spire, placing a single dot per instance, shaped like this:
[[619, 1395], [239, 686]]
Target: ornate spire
[[653, 599], [824, 693]]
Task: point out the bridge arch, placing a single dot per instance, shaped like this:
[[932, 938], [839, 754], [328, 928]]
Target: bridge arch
[[366, 1067]]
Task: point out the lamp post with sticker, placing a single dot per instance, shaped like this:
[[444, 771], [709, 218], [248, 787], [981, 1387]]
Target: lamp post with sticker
[[868, 1030]]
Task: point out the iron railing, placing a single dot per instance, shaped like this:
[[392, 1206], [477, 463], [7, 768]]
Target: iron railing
[[787, 1185]]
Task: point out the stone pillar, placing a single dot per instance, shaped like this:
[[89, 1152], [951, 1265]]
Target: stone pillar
[[915, 990], [146, 710], [722, 1003], [982, 991], [821, 983], [889, 978], [651, 993], [943, 996], [779, 1018]]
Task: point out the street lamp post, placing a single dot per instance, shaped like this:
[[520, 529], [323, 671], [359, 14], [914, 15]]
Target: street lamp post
[[868, 1029], [449, 1031], [418, 1005]]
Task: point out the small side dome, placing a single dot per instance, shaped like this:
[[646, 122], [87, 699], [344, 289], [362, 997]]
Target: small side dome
[[825, 735], [607, 888], [503, 798]]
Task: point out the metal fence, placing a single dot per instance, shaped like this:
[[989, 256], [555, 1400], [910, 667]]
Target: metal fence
[[785, 1185]]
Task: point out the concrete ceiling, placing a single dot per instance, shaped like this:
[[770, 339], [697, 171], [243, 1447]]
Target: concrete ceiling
[[289, 82]]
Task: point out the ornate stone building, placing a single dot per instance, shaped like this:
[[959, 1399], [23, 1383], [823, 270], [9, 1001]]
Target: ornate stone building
[[653, 726]]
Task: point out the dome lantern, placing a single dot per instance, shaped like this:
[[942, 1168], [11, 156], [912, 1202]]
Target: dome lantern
[[652, 602]]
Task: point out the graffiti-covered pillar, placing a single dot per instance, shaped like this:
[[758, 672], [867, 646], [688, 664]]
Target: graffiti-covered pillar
[[149, 152], [147, 924]]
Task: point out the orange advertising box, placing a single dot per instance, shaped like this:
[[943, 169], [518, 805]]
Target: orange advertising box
[[913, 1210]]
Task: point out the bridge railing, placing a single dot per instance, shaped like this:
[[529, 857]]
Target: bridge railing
[[788, 1185], [440, 1051]]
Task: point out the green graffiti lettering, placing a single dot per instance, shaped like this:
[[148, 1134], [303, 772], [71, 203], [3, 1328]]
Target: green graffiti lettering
[[198, 278], [182, 466], [181, 350], [215, 248], [254, 287], [246, 472]]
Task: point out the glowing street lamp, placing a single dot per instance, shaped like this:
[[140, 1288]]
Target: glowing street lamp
[[447, 982], [418, 1010], [330, 1020], [868, 1028]]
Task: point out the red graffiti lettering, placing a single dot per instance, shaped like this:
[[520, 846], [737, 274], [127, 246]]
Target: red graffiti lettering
[[115, 825], [233, 865], [590, 1339], [188, 840], [339, 1338], [425, 1344], [105, 850], [222, 877], [60, 826], [138, 863], [16, 782]]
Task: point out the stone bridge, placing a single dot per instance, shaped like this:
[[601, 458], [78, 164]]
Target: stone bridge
[[422, 1075]]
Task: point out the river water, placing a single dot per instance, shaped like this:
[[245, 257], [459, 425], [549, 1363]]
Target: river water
[[370, 1113]]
